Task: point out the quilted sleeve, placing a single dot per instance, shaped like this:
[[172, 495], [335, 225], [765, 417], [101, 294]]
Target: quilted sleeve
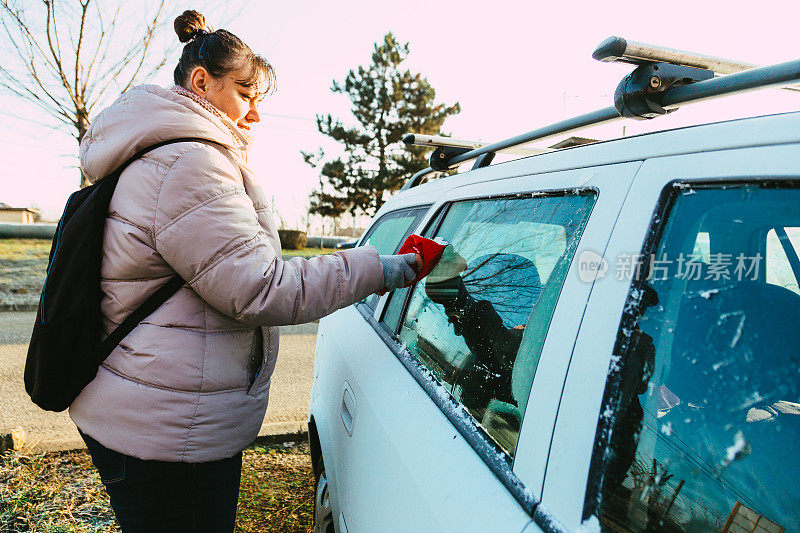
[[205, 227]]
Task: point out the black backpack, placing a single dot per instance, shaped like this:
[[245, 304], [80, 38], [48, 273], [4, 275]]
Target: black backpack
[[67, 345]]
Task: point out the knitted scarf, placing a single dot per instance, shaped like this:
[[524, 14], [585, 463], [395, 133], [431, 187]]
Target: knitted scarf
[[243, 137]]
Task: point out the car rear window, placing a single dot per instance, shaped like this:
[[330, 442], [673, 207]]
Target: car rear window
[[701, 425]]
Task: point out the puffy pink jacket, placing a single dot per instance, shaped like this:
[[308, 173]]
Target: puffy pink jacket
[[191, 382]]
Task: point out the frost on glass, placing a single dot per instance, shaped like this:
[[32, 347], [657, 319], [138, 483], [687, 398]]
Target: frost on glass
[[388, 233], [704, 414], [478, 320]]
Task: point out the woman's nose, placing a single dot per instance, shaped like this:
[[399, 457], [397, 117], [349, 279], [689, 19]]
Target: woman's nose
[[253, 115]]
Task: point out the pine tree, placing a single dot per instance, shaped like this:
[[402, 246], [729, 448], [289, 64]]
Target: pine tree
[[387, 103]]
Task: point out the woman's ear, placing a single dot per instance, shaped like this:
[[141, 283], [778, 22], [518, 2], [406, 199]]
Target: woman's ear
[[199, 81]]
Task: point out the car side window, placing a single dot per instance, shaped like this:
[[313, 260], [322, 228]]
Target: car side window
[[478, 321], [700, 428], [389, 232]]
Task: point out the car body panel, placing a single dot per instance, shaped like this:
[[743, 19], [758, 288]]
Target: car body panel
[[573, 440], [614, 179], [612, 183], [406, 467]]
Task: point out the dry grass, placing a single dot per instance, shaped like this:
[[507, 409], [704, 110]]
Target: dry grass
[[277, 491], [62, 493], [52, 493], [23, 264]]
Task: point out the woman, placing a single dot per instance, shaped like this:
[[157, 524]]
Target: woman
[[175, 403]]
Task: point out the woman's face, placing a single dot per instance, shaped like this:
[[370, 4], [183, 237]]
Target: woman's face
[[238, 102]]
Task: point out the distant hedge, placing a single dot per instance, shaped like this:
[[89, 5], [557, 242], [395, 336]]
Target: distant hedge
[[27, 231], [292, 239]]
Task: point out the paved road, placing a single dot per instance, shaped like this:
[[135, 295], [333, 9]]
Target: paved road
[[288, 402]]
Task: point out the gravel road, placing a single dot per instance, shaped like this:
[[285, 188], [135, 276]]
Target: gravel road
[[288, 403]]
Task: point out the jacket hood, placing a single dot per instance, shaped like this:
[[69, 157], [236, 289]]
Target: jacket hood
[[146, 115]]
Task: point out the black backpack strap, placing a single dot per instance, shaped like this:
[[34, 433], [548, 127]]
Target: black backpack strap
[[143, 311], [170, 287]]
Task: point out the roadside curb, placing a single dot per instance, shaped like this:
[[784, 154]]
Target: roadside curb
[[7, 442], [19, 307], [261, 440]]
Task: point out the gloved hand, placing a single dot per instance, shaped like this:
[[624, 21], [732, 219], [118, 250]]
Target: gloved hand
[[399, 270]]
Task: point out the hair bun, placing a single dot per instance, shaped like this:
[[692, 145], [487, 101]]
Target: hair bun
[[189, 24]]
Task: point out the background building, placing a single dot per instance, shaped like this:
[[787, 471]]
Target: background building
[[19, 215]]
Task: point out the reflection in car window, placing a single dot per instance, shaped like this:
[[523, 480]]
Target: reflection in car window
[[389, 232], [702, 247], [701, 429], [783, 243], [478, 320]]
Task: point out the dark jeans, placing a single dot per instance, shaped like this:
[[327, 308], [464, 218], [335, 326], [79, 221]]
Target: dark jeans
[[155, 496]]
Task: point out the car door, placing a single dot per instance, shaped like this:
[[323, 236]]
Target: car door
[[681, 408], [437, 437], [330, 395]]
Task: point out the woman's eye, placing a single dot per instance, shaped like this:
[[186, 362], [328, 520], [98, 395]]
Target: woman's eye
[[245, 97]]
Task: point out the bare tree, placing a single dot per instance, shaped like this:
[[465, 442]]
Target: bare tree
[[67, 56]]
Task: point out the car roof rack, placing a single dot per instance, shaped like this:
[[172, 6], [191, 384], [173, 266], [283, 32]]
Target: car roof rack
[[663, 79]]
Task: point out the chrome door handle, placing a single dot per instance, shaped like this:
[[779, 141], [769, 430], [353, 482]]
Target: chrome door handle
[[348, 408]]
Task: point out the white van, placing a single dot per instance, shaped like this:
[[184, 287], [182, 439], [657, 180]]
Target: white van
[[622, 352]]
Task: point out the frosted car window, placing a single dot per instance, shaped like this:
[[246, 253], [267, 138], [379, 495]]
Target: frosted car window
[[388, 233], [394, 308], [478, 320], [701, 424]]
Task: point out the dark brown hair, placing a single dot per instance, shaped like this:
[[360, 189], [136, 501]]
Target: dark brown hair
[[219, 52]]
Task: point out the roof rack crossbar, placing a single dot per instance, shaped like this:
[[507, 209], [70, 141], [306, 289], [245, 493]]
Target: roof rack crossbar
[[617, 49], [758, 78], [636, 53], [582, 121], [418, 139]]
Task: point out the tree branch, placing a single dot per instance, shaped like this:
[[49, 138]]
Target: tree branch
[[84, 9], [22, 90], [32, 44], [56, 54], [147, 40], [38, 123], [102, 31]]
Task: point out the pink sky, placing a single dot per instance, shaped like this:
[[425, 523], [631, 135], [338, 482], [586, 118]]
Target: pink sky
[[513, 66]]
